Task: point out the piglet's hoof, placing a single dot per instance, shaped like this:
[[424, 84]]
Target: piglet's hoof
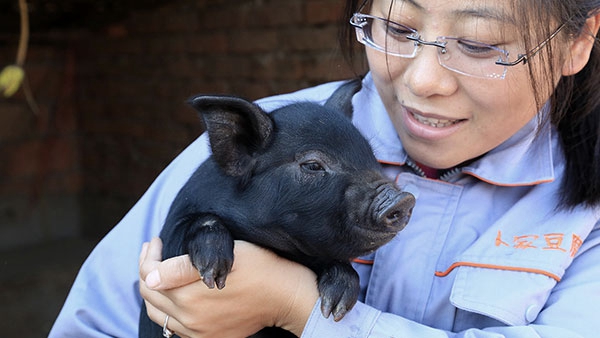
[[211, 250], [338, 287]]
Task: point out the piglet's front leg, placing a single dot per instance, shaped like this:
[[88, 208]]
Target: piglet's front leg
[[338, 287], [210, 246]]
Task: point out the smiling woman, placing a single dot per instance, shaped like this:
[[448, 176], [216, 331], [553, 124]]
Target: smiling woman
[[422, 90], [488, 113]]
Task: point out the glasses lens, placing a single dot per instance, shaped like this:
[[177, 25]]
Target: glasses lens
[[462, 56], [386, 36], [472, 58]]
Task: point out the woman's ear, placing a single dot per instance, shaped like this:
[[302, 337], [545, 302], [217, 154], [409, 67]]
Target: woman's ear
[[580, 49]]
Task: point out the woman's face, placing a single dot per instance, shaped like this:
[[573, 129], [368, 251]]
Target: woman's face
[[444, 118]]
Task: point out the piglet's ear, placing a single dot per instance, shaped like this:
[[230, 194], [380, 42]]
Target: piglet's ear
[[237, 129], [341, 99]]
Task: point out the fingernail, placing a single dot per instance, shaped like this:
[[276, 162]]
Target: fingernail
[[153, 279]]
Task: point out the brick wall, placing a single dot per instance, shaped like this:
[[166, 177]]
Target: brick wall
[[40, 175], [112, 111]]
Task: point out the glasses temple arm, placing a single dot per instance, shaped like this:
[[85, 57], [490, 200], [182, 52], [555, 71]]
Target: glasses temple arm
[[524, 57]]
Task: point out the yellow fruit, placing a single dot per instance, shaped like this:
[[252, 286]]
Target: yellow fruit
[[11, 78]]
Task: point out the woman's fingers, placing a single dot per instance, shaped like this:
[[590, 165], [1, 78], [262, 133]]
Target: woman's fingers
[[158, 305], [172, 324], [168, 274], [263, 290], [149, 259], [172, 273]]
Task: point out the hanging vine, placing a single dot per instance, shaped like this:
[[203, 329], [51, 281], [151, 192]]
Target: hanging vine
[[12, 75]]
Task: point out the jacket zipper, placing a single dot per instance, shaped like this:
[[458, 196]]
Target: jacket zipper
[[445, 176]]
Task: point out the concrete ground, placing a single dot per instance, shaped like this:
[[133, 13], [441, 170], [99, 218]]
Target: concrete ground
[[34, 282]]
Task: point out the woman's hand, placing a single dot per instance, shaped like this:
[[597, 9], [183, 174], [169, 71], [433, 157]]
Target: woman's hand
[[262, 290]]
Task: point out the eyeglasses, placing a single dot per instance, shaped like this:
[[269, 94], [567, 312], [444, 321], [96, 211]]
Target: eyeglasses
[[467, 57]]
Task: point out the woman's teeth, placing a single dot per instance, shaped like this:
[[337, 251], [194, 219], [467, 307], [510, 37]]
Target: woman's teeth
[[437, 123]]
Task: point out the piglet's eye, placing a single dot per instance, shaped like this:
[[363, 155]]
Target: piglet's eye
[[312, 166]]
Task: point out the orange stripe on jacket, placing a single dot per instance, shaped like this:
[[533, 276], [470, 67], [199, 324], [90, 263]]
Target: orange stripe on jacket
[[496, 267]]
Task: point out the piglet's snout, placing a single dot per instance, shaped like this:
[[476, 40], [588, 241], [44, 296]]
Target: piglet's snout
[[393, 208]]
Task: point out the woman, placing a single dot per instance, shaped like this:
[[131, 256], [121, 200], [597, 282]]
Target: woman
[[488, 111]]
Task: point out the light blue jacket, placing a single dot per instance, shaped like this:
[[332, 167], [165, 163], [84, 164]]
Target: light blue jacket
[[486, 253]]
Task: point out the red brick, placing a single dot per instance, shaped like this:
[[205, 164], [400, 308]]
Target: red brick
[[320, 11], [16, 121], [252, 41], [273, 15], [207, 43], [40, 157], [309, 39]]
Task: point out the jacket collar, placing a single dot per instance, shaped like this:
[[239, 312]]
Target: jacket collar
[[526, 158]]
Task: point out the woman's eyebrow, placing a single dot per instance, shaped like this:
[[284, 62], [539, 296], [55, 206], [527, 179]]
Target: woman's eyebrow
[[489, 13], [413, 3], [485, 13]]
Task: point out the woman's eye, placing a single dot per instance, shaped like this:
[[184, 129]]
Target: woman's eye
[[476, 49], [398, 31], [312, 166]]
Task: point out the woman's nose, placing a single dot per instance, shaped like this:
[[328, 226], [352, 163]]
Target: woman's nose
[[424, 76]]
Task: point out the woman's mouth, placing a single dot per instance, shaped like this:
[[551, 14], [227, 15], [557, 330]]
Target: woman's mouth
[[433, 122], [429, 126]]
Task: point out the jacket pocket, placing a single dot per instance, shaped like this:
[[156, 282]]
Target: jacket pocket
[[510, 297]]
